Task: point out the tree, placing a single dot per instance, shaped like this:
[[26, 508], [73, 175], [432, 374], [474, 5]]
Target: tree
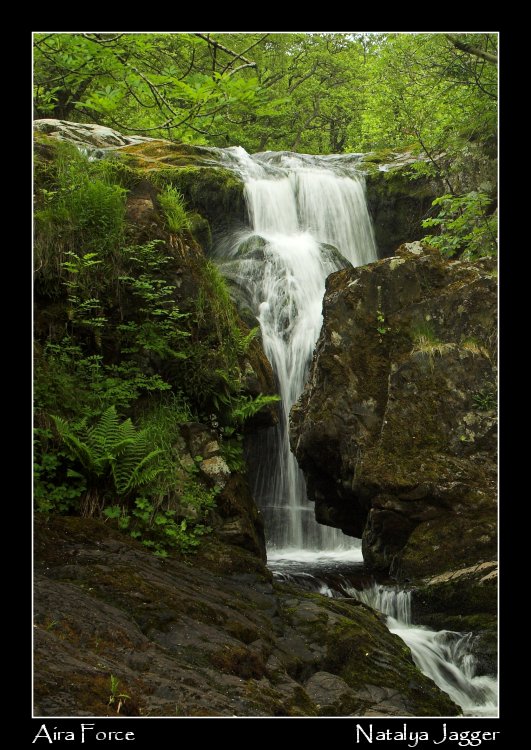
[[430, 96], [313, 92], [174, 85]]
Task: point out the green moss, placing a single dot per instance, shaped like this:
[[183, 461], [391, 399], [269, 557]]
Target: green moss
[[477, 623], [214, 192], [239, 661], [120, 173], [200, 230], [446, 543], [458, 598], [151, 154]]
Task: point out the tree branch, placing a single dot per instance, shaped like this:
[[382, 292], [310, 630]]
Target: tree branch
[[471, 49], [217, 45], [245, 51], [240, 67]]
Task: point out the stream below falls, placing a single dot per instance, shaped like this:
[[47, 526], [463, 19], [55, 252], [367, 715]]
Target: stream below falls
[[445, 656], [307, 217]]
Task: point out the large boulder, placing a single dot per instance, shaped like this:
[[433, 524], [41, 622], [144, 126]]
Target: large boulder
[[396, 428], [86, 135]]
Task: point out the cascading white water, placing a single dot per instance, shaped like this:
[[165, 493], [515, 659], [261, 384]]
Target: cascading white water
[[443, 655], [308, 218]]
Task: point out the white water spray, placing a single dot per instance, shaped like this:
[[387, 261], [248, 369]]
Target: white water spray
[[444, 655], [309, 218]]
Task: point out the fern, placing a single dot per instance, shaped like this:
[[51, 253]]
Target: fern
[[106, 434], [244, 407], [131, 470], [111, 449], [80, 450]]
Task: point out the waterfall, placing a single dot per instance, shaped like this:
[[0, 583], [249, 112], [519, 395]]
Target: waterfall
[[443, 655], [308, 218]]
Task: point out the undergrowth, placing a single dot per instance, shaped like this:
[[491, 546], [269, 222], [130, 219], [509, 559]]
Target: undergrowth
[[120, 368]]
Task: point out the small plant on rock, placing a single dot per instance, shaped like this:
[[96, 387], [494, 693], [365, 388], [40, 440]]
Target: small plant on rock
[[115, 696], [172, 204]]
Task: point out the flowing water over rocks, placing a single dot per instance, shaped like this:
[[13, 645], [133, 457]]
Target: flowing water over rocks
[[308, 219], [445, 656], [219, 637]]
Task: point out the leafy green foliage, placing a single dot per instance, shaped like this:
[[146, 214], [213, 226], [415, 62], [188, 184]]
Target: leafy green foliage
[[161, 530], [82, 214], [466, 228], [172, 203], [212, 369], [157, 329], [56, 487], [110, 449], [242, 408], [486, 399], [245, 407], [312, 92], [116, 354], [116, 696], [168, 84]]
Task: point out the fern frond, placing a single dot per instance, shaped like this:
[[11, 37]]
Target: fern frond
[[246, 406], [105, 433], [132, 470], [77, 447]]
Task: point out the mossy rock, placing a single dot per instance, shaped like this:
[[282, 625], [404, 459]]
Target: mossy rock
[[211, 190], [214, 192], [158, 152], [200, 230]]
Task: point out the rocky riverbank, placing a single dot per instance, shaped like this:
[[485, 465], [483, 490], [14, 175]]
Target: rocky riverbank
[[205, 636]]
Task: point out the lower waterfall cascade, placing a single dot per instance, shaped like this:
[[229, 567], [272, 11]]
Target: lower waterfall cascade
[[444, 656]]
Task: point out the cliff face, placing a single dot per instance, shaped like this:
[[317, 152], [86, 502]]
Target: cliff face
[[396, 429], [401, 187]]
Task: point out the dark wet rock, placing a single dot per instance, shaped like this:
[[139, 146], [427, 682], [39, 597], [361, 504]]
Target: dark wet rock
[[204, 636], [396, 428]]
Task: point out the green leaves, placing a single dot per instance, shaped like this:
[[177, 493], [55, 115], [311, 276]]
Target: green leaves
[[467, 225], [104, 101], [161, 530], [244, 407], [172, 203], [316, 93], [110, 448]]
